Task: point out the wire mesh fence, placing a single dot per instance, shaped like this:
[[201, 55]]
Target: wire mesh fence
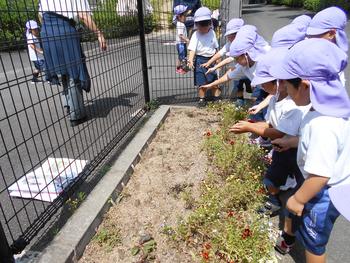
[[71, 87], [74, 80]]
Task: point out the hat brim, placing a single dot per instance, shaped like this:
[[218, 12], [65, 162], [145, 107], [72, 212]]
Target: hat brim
[[313, 31], [230, 32], [261, 80], [202, 18], [278, 72]]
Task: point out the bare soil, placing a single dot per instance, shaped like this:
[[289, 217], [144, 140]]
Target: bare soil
[[173, 163]]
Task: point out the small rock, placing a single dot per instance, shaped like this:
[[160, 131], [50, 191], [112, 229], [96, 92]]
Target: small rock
[[145, 238]]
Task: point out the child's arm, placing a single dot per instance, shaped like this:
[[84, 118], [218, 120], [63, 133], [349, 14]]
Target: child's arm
[[286, 143], [260, 128], [257, 108], [183, 38], [309, 189], [191, 58], [36, 49], [221, 64], [212, 60]]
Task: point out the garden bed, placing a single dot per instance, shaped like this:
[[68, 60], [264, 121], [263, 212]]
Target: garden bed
[[192, 197]]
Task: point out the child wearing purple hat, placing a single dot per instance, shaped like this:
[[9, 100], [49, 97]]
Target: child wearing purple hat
[[311, 69], [181, 38], [202, 48], [246, 48], [283, 118]]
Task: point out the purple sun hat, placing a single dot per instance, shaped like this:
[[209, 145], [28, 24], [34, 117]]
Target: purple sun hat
[[248, 41], [233, 26], [265, 62], [288, 35], [302, 20], [319, 61], [327, 19]]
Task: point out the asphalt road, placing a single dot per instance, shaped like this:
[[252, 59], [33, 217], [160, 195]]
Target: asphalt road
[[269, 18]]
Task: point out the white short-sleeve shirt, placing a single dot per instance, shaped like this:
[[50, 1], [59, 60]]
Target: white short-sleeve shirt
[[285, 115], [33, 54], [67, 8], [204, 44], [180, 30], [324, 147], [225, 49]]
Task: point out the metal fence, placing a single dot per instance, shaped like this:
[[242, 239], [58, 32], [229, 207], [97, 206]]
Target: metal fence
[[36, 127], [35, 121]]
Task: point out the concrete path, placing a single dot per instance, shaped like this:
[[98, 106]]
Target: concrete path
[[269, 18]]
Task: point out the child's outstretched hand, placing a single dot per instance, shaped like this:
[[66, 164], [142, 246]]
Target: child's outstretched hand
[[240, 127], [254, 110], [205, 65], [210, 70], [294, 206], [207, 86]]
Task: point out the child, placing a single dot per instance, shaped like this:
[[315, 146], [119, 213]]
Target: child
[[311, 70], [34, 49], [283, 118], [246, 48], [181, 38], [202, 47]]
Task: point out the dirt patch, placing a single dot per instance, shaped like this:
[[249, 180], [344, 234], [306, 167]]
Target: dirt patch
[[159, 193]]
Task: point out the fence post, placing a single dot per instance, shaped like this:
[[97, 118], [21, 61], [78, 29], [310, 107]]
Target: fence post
[[143, 50], [5, 251]]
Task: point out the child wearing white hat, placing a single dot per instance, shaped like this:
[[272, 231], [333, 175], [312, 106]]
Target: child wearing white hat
[[34, 49], [203, 46], [181, 38]]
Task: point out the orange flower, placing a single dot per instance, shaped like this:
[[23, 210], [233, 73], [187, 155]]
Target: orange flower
[[246, 233], [207, 246], [230, 213], [205, 255]]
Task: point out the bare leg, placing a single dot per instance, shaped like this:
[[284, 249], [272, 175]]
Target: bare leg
[[216, 91], [201, 93], [288, 226], [312, 258]]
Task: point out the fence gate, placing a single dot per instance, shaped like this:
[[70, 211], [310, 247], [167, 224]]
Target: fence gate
[[41, 149], [166, 85]]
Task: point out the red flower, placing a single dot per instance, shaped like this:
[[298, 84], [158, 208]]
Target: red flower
[[246, 233], [232, 142], [208, 133], [205, 255], [230, 213]]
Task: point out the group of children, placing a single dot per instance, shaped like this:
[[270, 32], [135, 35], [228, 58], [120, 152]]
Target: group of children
[[299, 80]]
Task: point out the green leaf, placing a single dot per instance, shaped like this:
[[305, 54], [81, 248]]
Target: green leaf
[[135, 250]]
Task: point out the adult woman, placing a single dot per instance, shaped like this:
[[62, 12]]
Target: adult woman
[[62, 50]]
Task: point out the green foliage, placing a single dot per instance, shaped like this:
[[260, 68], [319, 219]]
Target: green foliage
[[314, 5], [108, 237], [14, 15], [211, 4], [224, 225]]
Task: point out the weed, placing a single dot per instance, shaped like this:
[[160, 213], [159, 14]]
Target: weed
[[108, 237], [152, 105], [74, 203]]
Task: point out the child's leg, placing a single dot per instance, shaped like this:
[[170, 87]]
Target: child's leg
[[312, 258]]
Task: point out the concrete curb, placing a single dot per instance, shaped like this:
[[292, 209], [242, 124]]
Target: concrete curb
[[70, 242]]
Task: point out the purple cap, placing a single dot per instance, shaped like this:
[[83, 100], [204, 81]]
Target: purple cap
[[202, 14], [248, 41], [318, 61], [302, 20], [288, 35], [327, 19], [180, 9], [233, 26], [265, 62]]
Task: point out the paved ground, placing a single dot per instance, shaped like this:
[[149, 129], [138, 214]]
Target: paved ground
[[268, 19]]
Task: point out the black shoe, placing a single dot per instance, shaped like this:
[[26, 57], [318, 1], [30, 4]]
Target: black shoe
[[74, 123], [201, 103]]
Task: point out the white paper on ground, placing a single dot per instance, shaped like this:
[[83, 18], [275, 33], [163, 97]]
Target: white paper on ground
[[49, 180], [340, 197]]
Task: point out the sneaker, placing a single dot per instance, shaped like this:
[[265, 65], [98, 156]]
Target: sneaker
[[269, 209], [35, 80], [201, 103], [262, 142], [282, 247], [290, 183]]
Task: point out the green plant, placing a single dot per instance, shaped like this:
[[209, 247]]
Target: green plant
[[152, 105], [108, 237], [224, 225], [73, 203]]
